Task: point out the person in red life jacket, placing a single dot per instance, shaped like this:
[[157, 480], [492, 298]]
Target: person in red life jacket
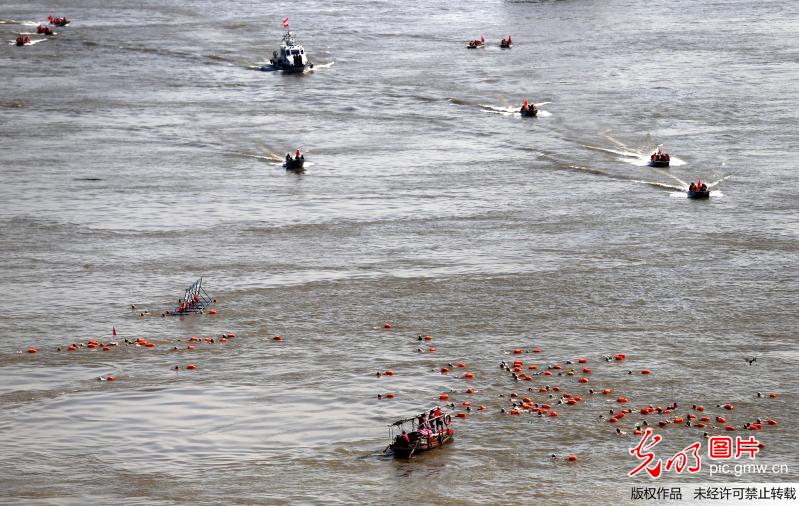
[[406, 438], [20, 41], [692, 187]]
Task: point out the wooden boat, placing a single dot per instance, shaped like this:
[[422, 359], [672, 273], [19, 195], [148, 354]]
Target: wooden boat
[[506, 43], [419, 441], [475, 44], [659, 159], [295, 163], [699, 194]]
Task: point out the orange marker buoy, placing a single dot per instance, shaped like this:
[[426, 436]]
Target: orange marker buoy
[[468, 375], [621, 415], [389, 395], [557, 367], [388, 326], [444, 370], [583, 361], [536, 350], [679, 419], [212, 311], [191, 366], [517, 368], [546, 406], [443, 397], [277, 338], [571, 402], [721, 419], [32, 350], [645, 371], [572, 458], [389, 372], [583, 380], [613, 420], [578, 398]]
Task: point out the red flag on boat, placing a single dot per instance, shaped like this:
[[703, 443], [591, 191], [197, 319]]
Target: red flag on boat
[[286, 23], [525, 102], [482, 39], [509, 40], [115, 331]]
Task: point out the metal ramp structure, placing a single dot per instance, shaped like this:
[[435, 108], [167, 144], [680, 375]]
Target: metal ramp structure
[[195, 300]]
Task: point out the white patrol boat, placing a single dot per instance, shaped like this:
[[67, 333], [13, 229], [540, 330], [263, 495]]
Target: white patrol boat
[[291, 56]]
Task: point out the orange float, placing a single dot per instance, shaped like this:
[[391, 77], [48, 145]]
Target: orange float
[[277, 338], [389, 395], [517, 351], [532, 367], [444, 370], [729, 427], [772, 395], [231, 334], [431, 349], [150, 345], [607, 391], [443, 397], [623, 400], [572, 458], [389, 372], [191, 347], [468, 375], [771, 421], [72, 347], [212, 311], [32, 350], [583, 361], [461, 415], [547, 373], [466, 403], [191, 366], [721, 419], [553, 413], [461, 364], [620, 356], [428, 338], [645, 371], [586, 370], [388, 326], [705, 419], [481, 408], [729, 407], [583, 380], [537, 350]]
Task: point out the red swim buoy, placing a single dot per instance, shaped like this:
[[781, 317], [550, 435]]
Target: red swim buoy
[[583, 361], [517, 351], [729, 427], [192, 339], [613, 420], [607, 391], [679, 419], [546, 406], [553, 413], [72, 347], [536, 350], [231, 334], [532, 367], [517, 368], [432, 349], [461, 415], [191, 347], [721, 419], [470, 390], [277, 338], [729, 407], [645, 371], [466, 403], [32, 350], [662, 423], [191, 366], [90, 345], [771, 421], [212, 311], [106, 348], [481, 408], [444, 370], [150, 345], [572, 458], [388, 326], [461, 364], [772, 396], [700, 425], [583, 380], [513, 395], [443, 397], [586, 370], [571, 402], [428, 338], [557, 367], [468, 375], [389, 372], [623, 400], [222, 340], [110, 377], [389, 395], [700, 408], [705, 419], [547, 373]]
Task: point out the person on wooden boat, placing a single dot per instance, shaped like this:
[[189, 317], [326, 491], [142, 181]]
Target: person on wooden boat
[[692, 187], [288, 157], [298, 155], [405, 437]]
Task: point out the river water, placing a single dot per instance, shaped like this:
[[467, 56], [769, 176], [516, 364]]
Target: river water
[[140, 150]]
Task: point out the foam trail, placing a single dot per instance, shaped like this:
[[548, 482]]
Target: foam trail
[[685, 185], [659, 185], [714, 183], [613, 151], [322, 66]]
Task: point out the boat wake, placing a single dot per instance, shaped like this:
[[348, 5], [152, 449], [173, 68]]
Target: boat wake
[[31, 43], [637, 158], [510, 110], [322, 66]]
